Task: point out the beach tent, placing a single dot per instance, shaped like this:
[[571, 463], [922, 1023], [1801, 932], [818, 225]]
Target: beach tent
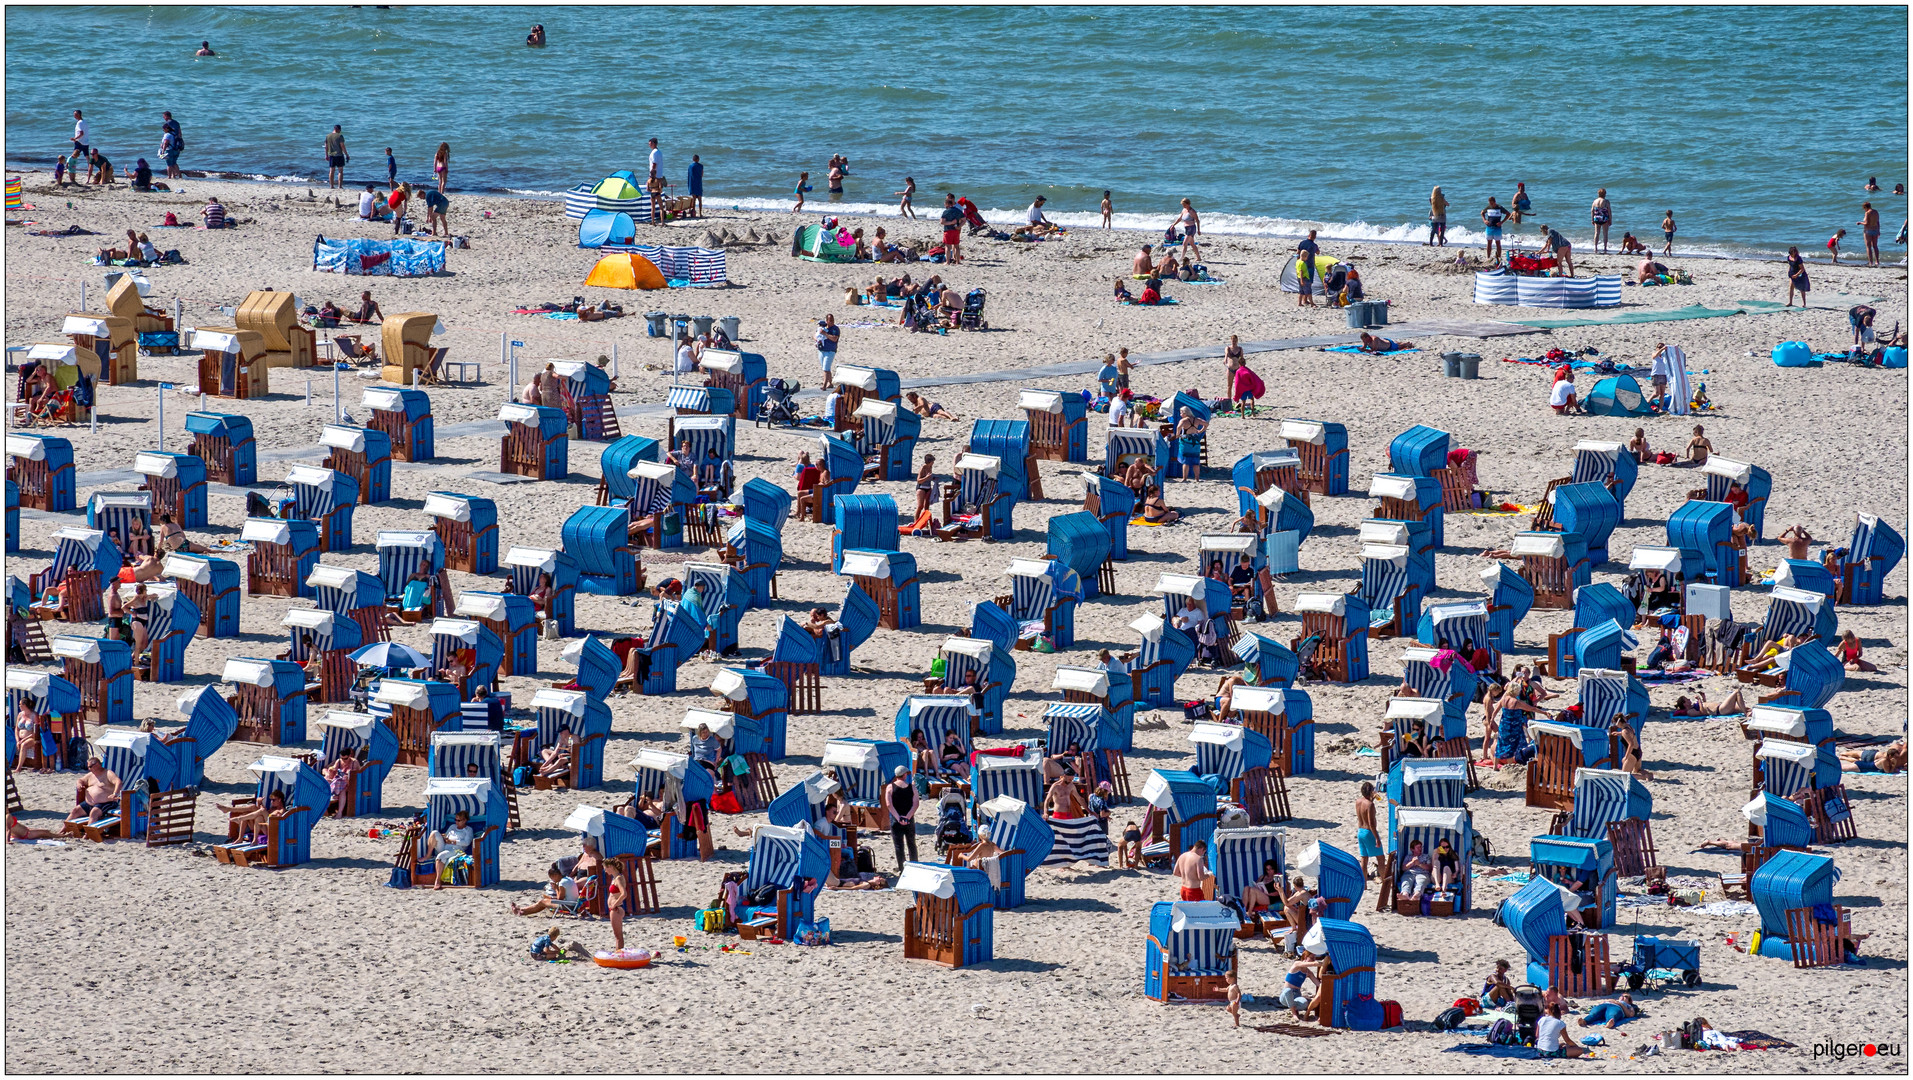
[[1291, 274], [601, 227], [625, 271], [819, 244], [617, 193], [1616, 395]]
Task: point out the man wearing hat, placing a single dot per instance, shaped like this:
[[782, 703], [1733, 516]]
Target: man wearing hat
[[902, 797]]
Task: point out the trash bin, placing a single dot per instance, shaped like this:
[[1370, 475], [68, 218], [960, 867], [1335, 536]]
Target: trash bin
[[1377, 312], [680, 326], [1358, 314], [1451, 364], [728, 324], [1471, 365], [654, 323], [701, 324]]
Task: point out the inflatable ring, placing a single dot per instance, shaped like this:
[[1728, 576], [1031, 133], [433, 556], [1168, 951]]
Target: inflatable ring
[[622, 958]]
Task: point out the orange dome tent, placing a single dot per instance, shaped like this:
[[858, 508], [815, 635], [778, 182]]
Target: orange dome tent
[[625, 270]]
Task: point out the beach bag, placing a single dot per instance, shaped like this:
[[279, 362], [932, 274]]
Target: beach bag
[[1449, 1019], [725, 802], [866, 862], [761, 896], [521, 776], [77, 751], [1502, 1033], [1468, 1006], [938, 668], [401, 878], [1391, 1014]]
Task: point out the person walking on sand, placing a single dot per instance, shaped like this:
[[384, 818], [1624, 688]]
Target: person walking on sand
[[803, 185], [1367, 840], [1492, 216], [1601, 213], [1191, 867], [1667, 230], [336, 157], [828, 335], [1797, 277], [1235, 1000], [1109, 209], [441, 164], [1191, 225], [909, 190], [1437, 219], [1870, 231]]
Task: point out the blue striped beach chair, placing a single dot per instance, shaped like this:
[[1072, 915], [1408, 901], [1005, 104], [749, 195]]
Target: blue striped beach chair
[[1776, 823], [1111, 692], [766, 502], [1594, 605], [1609, 695], [210, 721], [889, 436], [415, 709], [864, 767], [792, 861], [1872, 552], [614, 465], [652, 770], [676, 637], [481, 800], [49, 695], [703, 436], [862, 521], [1428, 826], [1163, 653], [1806, 574], [1459, 623], [980, 492], [1076, 725], [451, 638], [936, 717], [1236, 861], [658, 489], [84, 560], [586, 392], [597, 666], [1059, 424], [1403, 716], [1283, 520], [744, 374], [1113, 504], [1338, 876], [513, 619], [598, 539], [1211, 598], [355, 594], [855, 385], [1419, 451], [726, 597], [1122, 446], [1339, 625], [1612, 805], [615, 837], [802, 804], [325, 497], [1560, 750], [1009, 442], [589, 721], [1810, 774], [1413, 535], [1597, 462], [1238, 761], [468, 527], [1257, 473], [1704, 531], [843, 469], [1536, 916], [349, 733], [225, 443], [738, 736], [1454, 688], [994, 668], [1286, 717], [754, 695], [999, 775], [1807, 676], [991, 622], [1023, 840], [1580, 865], [364, 454], [529, 567], [1510, 598], [1425, 783], [213, 587], [756, 550], [287, 834], [147, 767], [1226, 551], [536, 442], [1190, 953], [1044, 591], [1394, 604], [887, 577], [1589, 510], [951, 921], [1795, 611], [115, 512], [403, 552], [102, 668], [1270, 662], [1187, 805], [315, 634], [1788, 723], [1349, 976], [467, 755], [1409, 499], [1080, 541], [1720, 475], [270, 698]]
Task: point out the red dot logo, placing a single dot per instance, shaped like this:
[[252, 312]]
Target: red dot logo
[[1869, 1049]]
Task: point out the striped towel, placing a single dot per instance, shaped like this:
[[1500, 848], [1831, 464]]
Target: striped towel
[[1077, 838]]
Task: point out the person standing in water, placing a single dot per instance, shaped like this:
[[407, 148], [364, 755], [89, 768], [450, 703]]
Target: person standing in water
[[1870, 232], [1602, 213], [803, 185], [1437, 218], [909, 191], [336, 157], [1521, 204], [1667, 230]]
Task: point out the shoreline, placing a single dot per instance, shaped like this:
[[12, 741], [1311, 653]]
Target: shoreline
[[1076, 221]]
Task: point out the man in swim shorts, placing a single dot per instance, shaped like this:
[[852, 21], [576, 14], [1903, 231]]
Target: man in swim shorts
[[952, 219], [1365, 836], [97, 793], [336, 157]]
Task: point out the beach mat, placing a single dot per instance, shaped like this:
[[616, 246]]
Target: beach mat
[[1832, 302], [1626, 318], [1359, 349], [1758, 1040], [1495, 1050]]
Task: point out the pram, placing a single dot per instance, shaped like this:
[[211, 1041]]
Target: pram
[[951, 828], [972, 316], [780, 403], [917, 315], [973, 217]]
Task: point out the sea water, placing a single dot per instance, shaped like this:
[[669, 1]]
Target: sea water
[[1757, 126]]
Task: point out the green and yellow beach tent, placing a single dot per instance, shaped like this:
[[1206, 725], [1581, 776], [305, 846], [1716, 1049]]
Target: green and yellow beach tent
[[1292, 273], [818, 243], [625, 270]]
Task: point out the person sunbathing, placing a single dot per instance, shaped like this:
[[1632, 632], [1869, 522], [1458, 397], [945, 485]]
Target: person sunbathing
[[1155, 511], [1376, 344], [1260, 895], [148, 568], [97, 793], [1612, 1013], [1698, 705], [930, 409], [555, 760], [368, 310], [339, 777], [51, 604], [20, 834], [1225, 693], [1873, 759], [1141, 265], [951, 757], [172, 538], [1139, 477], [445, 846], [252, 817]]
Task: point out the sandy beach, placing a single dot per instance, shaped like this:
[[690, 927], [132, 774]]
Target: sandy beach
[[122, 959]]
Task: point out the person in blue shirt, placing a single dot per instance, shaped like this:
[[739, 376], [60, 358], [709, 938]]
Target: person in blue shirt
[[391, 169], [694, 183], [694, 601]]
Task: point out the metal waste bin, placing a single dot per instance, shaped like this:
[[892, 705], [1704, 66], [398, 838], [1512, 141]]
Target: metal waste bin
[[1358, 314], [1377, 312], [1451, 364]]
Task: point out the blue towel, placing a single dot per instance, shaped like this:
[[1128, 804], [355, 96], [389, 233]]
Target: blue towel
[[1495, 1050], [1359, 349]]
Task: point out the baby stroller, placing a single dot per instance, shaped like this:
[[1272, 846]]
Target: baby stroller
[[972, 316], [917, 316], [951, 828], [973, 217], [780, 403]]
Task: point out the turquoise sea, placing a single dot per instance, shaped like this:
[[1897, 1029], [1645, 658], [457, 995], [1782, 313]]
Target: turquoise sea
[[1757, 126]]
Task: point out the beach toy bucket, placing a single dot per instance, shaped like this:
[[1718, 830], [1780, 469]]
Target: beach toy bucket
[[1377, 312], [654, 323], [1358, 314], [677, 940], [701, 324], [1451, 364], [1471, 365], [728, 324], [1792, 354]]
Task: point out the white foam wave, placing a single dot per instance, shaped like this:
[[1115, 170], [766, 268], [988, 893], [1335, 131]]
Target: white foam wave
[[534, 193]]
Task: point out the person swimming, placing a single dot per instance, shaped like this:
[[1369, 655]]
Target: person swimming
[[536, 39]]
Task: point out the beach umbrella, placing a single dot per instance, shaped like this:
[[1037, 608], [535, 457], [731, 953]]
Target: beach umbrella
[[390, 654]]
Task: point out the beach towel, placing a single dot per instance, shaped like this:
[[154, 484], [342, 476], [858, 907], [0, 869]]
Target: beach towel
[[70, 230], [1300, 1031], [1493, 1050], [1164, 302], [1751, 1039], [1359, 349]]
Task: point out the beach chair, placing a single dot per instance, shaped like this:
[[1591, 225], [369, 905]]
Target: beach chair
[[1791, 611], [232, 362], [452, 638], [1080, 541], [529, 566], [1457, 623], [622, 839], [760, 698], [1339, 623], [586, 391], [1585, 861], [589, 721], [1172, 412], [938, 716], [1577, 965], [738, 737], [951, 920], [1794, 881], [755, 550], [889, 578], [676, 636], [1774, 824], [1554, 564], [1123, 446], [1282, 522], [1595, 606], [1599, 462], [1187, 805], [889, 435], [1080, 727], [1059, 424], [486, 813], [83, 560], [964, 655], [1588, 510], [1236, 859], [1806, 676], [1191, 952], [598, 541], [1428, 826], [13, 516], [1720, 475], [841, 469], [1212, 597], [794, 661], [354, 594], [225, 443], [1431, 783], [1788, 724], [210, 721], [406, 342], [1224, 551], [977, 502], [176, 483], [698, 438], [125, 299], [1113, 694], [467, 755], [766, 503], [1348, 979], [1663, 561], [1409, 499], [1419, 451], [364, 454], [536, 442], [415, 709], [652, 770], [1393, 601], [615, 481], [1401, 716], [1871, 553], [1454, 688], [743, 374], [1042, 600], [274, 316], [149, 781], [686, 401], [1321, 449], [513, 619], [323, 642], [1615, 806], [792, 862], [864, 767], [348, 733], [404, 552], [1561, 750], [286, 839], [1163, 653], [868, 522], [1236, 757], [404, 415], [1809, 775], [727, 595], [54, 698], [598, 667], [115, 514], [325, 497], [1264, 713], [1023, 839], [1009, 442], [1338, 877], [102, 669], [212, 585], [802, 804], [269, 698], [1018, 776], [855, 385], [1256, 473], [1704, 533]]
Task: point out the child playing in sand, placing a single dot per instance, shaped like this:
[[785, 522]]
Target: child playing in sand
[[1235, 1000], [547, 947], [1129, 852], [1698, 447], [1833, 244]]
